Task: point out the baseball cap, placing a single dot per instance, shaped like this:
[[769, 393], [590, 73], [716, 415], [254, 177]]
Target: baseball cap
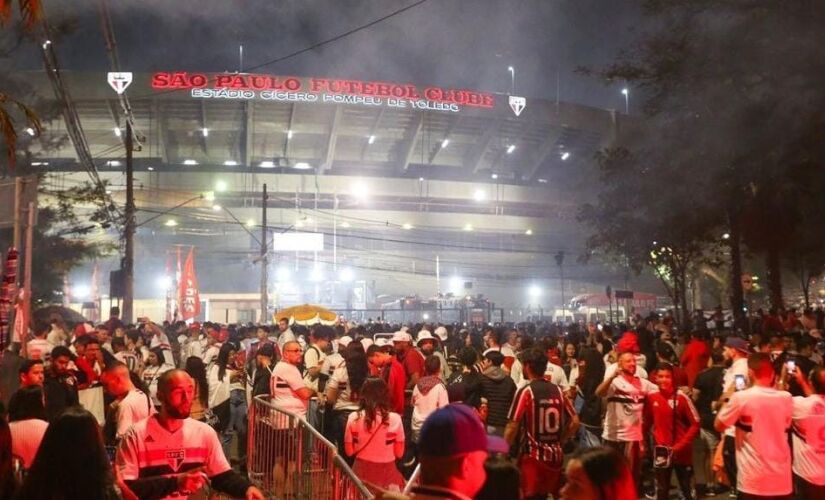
[[382, 342], [195, 326], [456, 429], [737, 343], [402, 337]]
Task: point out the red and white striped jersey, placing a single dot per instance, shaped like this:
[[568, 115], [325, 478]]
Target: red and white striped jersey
[[543, 412]]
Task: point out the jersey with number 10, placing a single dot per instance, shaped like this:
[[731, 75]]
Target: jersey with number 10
[[543, 412]]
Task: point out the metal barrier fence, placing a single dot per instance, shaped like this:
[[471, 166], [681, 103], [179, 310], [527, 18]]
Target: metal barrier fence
[[288, 459]]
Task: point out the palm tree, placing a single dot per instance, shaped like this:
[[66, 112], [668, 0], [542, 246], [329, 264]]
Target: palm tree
[[7, 129], [31, 11]]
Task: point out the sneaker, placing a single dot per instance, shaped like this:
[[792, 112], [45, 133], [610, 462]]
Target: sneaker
[[650, 492], [732, 493]]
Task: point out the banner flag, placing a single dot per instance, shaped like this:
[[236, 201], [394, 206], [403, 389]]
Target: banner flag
[[190, 300]]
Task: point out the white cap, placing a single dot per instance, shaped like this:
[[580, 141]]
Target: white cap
[[405, 328], [401, 336], [366, 343], [344, 341], [382, 342], [441, 333]]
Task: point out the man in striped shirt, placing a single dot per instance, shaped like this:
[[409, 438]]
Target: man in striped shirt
[[548, 420]]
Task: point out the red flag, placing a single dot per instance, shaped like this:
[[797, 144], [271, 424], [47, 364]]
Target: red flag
[[190, 300], [169, 292], [95, 294], [8, 290], [21, 318]]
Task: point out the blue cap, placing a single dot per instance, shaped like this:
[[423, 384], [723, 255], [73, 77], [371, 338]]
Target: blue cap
[[738, 343], [454, 430]]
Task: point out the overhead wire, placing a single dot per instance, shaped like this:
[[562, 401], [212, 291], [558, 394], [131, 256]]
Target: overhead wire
[[316, 45]]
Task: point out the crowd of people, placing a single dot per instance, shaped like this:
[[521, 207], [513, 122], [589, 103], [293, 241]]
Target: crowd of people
[[489, 411]]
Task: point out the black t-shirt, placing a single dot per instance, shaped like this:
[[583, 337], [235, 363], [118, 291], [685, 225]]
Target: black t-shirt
[[472, 386], [709, 384]]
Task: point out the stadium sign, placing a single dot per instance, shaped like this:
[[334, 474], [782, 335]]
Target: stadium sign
[[240, 86]]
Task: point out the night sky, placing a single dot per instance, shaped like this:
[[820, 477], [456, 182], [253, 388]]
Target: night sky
[[457, 43]]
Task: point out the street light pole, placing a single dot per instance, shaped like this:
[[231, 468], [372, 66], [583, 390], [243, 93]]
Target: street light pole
[[626, 93], [559, 261], [129, 233], [512, 71], [264, 260]]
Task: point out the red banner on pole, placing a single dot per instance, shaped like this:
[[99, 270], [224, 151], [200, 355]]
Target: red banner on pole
[[190, 300]]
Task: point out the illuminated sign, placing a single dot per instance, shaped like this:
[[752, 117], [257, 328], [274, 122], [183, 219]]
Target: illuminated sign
[[119, 81], [322, 90], [298, 242], [517, 104]]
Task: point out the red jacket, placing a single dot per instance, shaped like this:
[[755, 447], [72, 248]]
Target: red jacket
[[659, 415], [695, 359], [396, 381]]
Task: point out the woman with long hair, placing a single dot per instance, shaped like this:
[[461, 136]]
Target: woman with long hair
[[71, 462], [8, 479], [375, 437], [598, 474], [27, 422], [220, 377], [570, 359], [197, 370], [343, 390], [156, 365], [587, 403]]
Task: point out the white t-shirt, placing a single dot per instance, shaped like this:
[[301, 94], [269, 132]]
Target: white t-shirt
[[162, 341], [285, 380], [377, 443], [193, 347], [284, 337], [149, 450], [150, 377], [763, 457], [425, 404], [39, 349], [574, 375], [612, 367], [340, 382], [331, 363], [129, 359], [809, 438], [210, 356], [133, 408], [218, 389], [555, 374], [26, 436], [505, 351], [739, 367], [517, 373], [625, 405], [312, 358]]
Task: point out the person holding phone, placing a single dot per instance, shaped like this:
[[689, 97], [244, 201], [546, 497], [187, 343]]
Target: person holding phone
[[761, 417], [736, 352]]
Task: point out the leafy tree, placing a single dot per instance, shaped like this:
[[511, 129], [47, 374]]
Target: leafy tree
[[650, 222], [62, 238], [732, 93]]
